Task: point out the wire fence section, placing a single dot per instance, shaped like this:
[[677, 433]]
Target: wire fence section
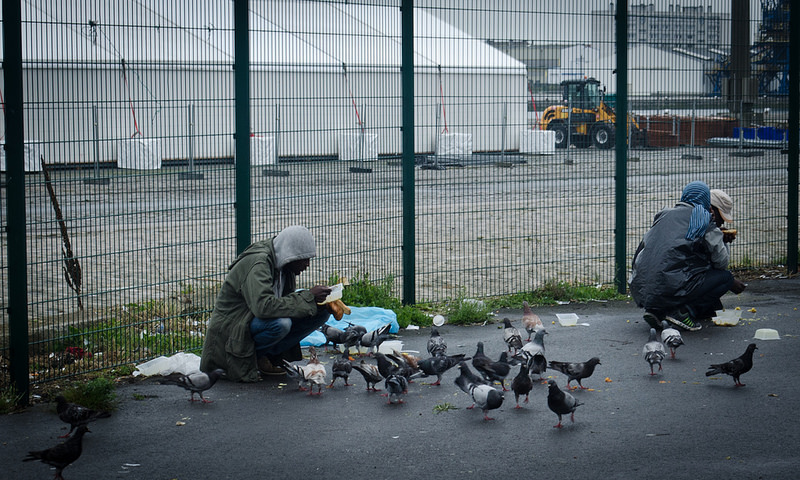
[[130, 191]]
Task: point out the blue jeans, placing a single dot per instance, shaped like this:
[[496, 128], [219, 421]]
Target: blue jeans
[[274, 336]]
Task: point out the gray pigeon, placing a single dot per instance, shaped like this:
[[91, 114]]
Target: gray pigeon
[[370, 373], [396, 385], [490, 370], [333, 335], [438, 365], [671, 338], [735, 367], [576, 370], [76, 415], [373, 340], [654, 351], [341, 369], [511, 336], [484, 396], [197, 382], [522, 384], [537, 365], [436, 344], [561, 402], [61, 455], [352, 336], [535, 346]]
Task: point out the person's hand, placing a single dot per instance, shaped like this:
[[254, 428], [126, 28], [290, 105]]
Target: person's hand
[[738, 287], [320, 292], [728, 236]]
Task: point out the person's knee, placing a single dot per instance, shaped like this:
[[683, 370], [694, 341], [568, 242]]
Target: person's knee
[[283, 325]]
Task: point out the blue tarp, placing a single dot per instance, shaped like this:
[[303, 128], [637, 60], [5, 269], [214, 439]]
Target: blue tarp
[[370, 318]]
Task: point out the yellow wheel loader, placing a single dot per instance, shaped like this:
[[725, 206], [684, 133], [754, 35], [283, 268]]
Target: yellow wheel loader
[[591, 121]]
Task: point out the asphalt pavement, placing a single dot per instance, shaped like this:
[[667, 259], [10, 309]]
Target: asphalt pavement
[[676, 424]]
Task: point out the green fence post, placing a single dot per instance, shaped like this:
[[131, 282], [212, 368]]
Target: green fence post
[[241, 67], [794, 139], [409, 223], [621, 135], [16, 252]]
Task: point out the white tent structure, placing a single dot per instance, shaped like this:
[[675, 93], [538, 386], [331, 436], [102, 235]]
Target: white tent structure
[[97, 74], [651, 71]]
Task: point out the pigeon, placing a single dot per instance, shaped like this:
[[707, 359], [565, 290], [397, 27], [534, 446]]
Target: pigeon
[[536, 345], [484, 396], [522, 384], [437, 365], [370, 373], [312, 373], [530, 321], [735, 367], [561, 402], [76, 415], [511, 336], [490, 370], [537, 365], [654, 351], [333, 335], [576, 370], [671, 338], [352, 336], [197, 382], [341, 369], [373, 339], [61, 455], [436, 344], [396, 385]]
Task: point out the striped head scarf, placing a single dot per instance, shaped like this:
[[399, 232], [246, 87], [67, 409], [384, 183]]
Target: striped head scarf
[[698, 194]]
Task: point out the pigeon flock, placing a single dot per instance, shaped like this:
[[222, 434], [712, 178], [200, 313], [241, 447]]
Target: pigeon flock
[[485, 386]]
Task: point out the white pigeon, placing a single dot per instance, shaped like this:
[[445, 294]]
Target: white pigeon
[[654, 351], [671, 337], [312, 373]]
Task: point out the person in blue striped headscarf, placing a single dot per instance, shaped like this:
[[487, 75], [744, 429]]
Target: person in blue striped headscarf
[[680, 269]]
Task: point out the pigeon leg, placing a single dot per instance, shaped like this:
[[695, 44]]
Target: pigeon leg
[[572, 417], [204, 399], [471, 407], [487, 417], [68, 433], [559, 423], [503, 384], [581, 385], [526, 397]]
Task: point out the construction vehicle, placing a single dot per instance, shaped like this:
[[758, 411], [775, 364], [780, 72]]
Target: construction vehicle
[[591, 121]]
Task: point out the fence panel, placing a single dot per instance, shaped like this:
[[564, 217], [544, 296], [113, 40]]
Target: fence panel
[[129, 121]]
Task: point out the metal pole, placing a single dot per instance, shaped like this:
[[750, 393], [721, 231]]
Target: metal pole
[[621, 166], [241, 65], [16, 252], [794, 145], [505, 120], [409, 223], [191, 175], [568, 160], [96, 131]]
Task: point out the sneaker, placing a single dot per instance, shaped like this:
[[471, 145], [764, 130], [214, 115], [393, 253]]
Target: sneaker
[[685, 322], [267, 368], [652, 320]]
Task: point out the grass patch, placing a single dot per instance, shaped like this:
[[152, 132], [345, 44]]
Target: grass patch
[[97, 394], [9, 400], [553, 292]]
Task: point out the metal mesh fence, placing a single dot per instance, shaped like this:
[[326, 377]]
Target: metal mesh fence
[[129, 121]]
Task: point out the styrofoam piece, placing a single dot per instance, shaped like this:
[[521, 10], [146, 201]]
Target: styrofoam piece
[[767, 334], [32, 156], [438, 320], [567, 319], [139, 154], [727, 318], [390, 346], [358, 146], [541, 142], [336, 294], [262, 150], [454, 144]]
